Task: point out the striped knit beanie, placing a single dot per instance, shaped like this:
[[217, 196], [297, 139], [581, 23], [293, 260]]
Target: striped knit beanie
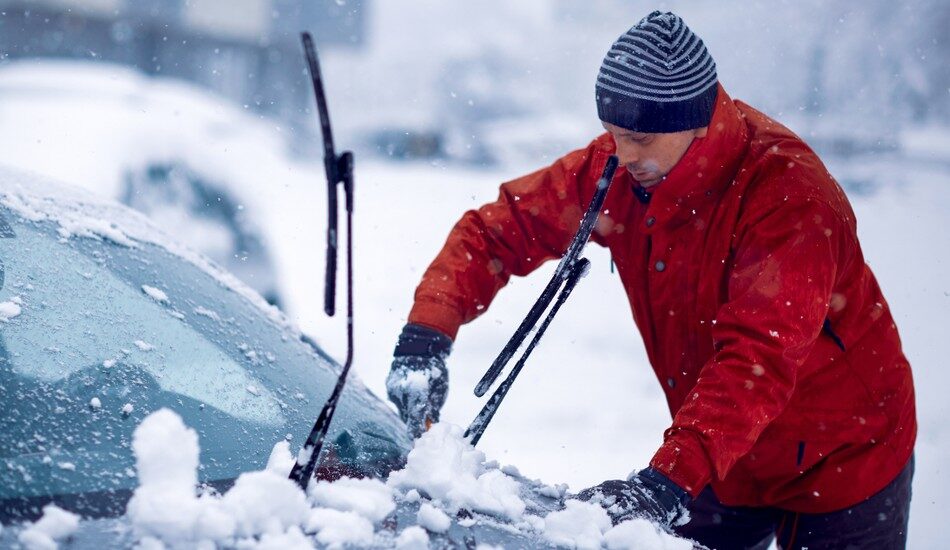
[[657, 78]]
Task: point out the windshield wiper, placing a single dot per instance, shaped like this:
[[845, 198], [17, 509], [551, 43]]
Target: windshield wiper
[[569, 271], [339, 170]]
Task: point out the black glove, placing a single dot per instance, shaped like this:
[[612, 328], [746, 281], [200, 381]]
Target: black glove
[[648, 494], [418, 381]]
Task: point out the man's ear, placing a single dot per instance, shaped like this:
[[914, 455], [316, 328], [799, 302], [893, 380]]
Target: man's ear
[[701, 132]]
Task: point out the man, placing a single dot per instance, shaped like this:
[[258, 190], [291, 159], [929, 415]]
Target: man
[[792, 402]]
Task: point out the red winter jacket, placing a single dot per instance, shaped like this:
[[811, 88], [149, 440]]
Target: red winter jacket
[[778, 354]]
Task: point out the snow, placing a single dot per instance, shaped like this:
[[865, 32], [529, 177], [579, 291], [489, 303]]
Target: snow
[[127, 409], [143, 345], [281, 461], [413, 538], [370, 498], [55, 525], [265, 509], [79, 213], [9, 310], [447, 468], [580, 525], [433, 519], [264, 502], [207, 313], [638, 533], [336, 529], [156, 294], [95, 403]]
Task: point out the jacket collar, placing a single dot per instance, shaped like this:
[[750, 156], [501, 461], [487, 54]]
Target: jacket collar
[[706, 169]]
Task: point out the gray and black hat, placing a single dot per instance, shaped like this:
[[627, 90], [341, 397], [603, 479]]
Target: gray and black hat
[[657, 77]]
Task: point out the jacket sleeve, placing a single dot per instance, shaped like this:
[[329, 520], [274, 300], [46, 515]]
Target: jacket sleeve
[[786, 262], [532, 221]]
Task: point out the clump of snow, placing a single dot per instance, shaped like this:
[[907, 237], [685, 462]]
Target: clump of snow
[[95, 403], [446, 467], [9, 310], [264, 502], [127, 409], [369, 498], [281, 460], [579, 525], [586, 525], [433, 519], [55, 525], [155, 293], [109, 363], [637, 533], [337, 529], [207, 313], [413, 538], [143, 345], [293, 539], [165, 506]]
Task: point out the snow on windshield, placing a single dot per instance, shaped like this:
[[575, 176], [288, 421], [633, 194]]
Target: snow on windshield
[[81, 214], [265, 509]]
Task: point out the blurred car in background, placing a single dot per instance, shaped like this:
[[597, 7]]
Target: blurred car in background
[[183, 156]]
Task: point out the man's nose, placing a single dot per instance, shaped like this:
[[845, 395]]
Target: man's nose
[[626, 153]]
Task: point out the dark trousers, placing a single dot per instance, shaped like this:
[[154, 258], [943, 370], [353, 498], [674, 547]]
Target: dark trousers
[[880, 522]]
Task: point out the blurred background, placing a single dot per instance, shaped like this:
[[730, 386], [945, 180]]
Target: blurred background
[[200, 113]]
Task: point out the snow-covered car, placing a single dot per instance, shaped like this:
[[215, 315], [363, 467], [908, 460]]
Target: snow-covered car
[[120, 350], [190, 160]]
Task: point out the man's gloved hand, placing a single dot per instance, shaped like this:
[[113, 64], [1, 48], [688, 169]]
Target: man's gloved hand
[[648, 494], [418, 380]]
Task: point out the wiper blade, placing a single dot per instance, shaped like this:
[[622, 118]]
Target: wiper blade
[[339, 170]]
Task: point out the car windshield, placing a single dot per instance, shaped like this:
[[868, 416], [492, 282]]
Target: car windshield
[[94, 336]]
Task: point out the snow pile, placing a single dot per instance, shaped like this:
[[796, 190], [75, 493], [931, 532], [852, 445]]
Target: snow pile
[[369, 498], [264, 509], [55, 525], [447, 468], [639, 533], [584, 525], [413, 538], [433, 519], [579, 525], [165, 505]]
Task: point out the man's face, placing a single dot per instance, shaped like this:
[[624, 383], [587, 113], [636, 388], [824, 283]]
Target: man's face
[[650, 157]]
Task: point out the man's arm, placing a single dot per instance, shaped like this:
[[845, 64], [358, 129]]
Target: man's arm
[[532, 221], [785, 267]]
